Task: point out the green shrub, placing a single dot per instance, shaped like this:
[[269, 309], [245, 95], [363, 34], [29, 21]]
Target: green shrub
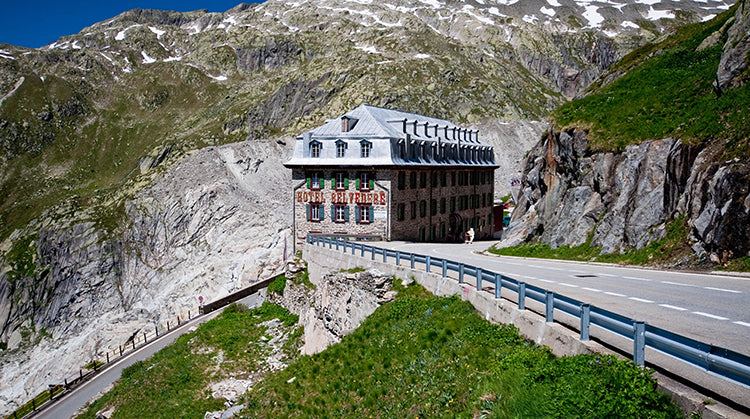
[[278, 285]]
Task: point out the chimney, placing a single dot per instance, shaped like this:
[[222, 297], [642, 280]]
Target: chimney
[[344, 124], [306, 144]]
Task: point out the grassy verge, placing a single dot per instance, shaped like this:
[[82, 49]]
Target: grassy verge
[[175, 382], [667, 92], [427, 356], [671, 248]]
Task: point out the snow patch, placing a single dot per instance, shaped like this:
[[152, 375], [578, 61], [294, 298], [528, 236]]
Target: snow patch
[[547, 11], [422, 56], [648, 2], [554, 3], [170, 59], [105, 56], [121, 35], [628, 24], [706, 18], [530, 19], [367, 48], [433, 3], [157, 31], [219, 78], [654, 14], [592, 15], [147, 59]]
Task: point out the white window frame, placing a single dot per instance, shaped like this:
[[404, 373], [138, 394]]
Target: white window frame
[[364, 214], [340, 211], [315, 180], [365, 149], [315, 210], [340, 149], [340, 176], [364, 181], [315, 149]]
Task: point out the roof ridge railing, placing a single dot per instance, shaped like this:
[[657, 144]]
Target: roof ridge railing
[[725, 363]]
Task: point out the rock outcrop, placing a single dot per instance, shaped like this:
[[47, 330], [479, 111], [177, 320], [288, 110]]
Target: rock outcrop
[[336, 305], [619, 201], [733, 68], [212, 224]]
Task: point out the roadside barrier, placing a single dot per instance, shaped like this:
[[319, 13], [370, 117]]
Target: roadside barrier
[[136, 341], [719, 361]]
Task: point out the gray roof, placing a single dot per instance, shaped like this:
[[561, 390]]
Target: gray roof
[[395, 138]]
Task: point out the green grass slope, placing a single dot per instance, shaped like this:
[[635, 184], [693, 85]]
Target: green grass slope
[[419, 356], [666, 91]]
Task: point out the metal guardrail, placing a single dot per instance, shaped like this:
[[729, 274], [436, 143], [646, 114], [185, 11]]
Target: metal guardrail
[[722, 362]]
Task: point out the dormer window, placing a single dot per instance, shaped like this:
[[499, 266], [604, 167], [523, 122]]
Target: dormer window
[[340, 148], [348, 123], [315, 147], [365, 147]]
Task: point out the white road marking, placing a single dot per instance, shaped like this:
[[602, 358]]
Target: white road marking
[[606, 275], [723, 290], [712, 316], [742, 324], [677, 283], [548, 281], [568, 285], [642, 300], [591, 289], [637, 279], [614, 294], [672, 307]]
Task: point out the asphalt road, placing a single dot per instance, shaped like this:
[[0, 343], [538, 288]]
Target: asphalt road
[[71, 403], [711, 308]]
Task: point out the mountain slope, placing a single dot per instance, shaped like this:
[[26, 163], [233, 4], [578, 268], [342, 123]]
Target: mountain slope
[[126, 186], [654, 164]]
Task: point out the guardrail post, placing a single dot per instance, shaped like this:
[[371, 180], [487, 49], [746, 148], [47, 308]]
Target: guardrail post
[[373, 252], [120, 350], [411, 259], [445, 268], [498, 285], [33, 404], [353, 249], [585, 320], [107, 357], [363, 250], [66, 382], [550, 307], [145, 339], [398, 257], [80, 374], [522, 296], [479, 275], [385, 255], [639, 343], [427, 263], [133, 343], [460, 273]]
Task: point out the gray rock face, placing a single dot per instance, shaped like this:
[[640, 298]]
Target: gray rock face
[[337, 306], [212, 224], [625, 200], [733, 67]]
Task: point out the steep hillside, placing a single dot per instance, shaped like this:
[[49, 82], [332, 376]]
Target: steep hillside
[[140, 160], [654, 163]]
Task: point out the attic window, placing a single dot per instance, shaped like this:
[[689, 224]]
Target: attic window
[[348, 123], [366, 147], [315, 149], [340, 149]]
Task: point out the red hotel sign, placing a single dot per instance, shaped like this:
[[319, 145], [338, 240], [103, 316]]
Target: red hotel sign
[[377, 198]]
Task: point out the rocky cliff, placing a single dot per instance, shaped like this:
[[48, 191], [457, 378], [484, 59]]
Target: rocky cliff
[[212, 224], [574, 192], [619, 201]]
